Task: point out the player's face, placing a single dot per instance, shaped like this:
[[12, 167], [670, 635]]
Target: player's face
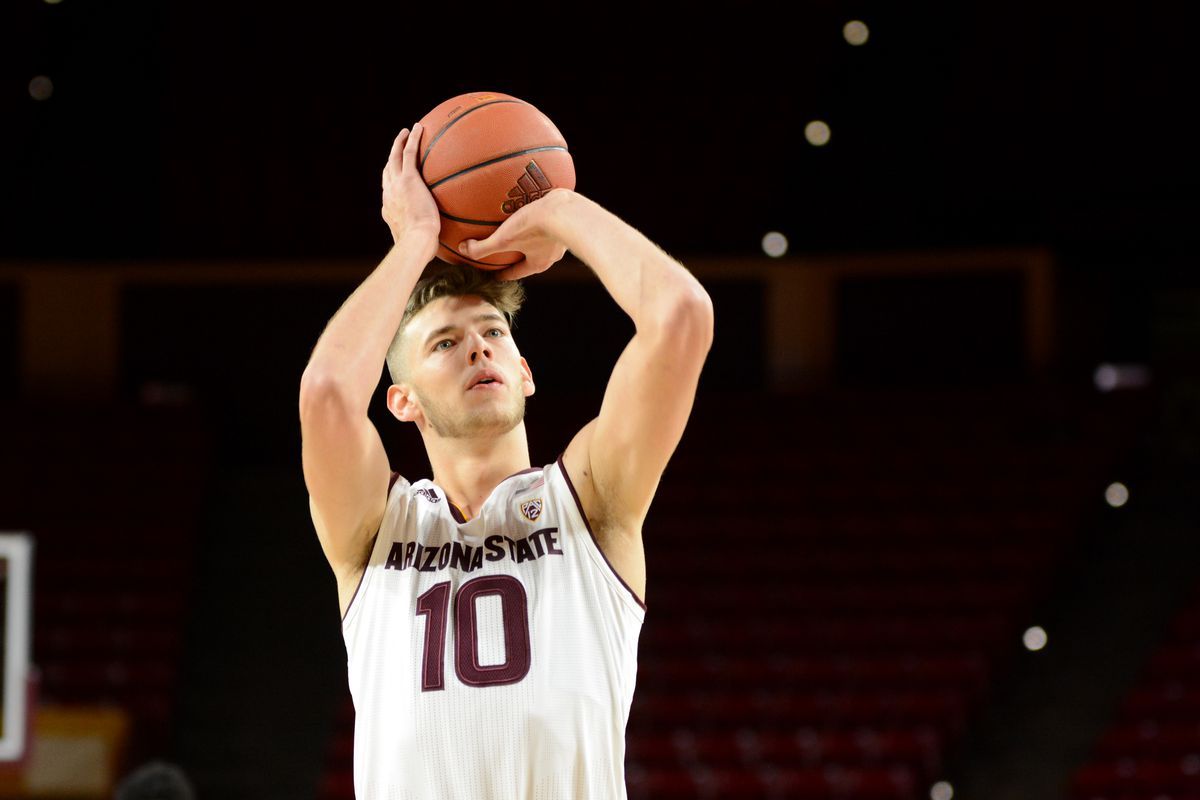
[[455, 339]]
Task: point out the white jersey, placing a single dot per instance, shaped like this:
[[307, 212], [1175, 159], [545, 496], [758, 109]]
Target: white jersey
[[492, 658]]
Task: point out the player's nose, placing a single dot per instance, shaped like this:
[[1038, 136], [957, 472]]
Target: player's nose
[[479, 346]]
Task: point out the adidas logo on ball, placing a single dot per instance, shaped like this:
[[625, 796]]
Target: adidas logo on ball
[[530, 186]]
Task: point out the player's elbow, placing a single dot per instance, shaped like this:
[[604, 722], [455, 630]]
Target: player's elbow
[[694, 314], [686, 328]]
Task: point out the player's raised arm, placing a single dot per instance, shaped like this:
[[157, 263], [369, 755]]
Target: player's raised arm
[[653, 385], [345, 465], [650, 394]]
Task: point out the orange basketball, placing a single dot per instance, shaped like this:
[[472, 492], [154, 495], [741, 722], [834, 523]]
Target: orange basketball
[[484, 155]]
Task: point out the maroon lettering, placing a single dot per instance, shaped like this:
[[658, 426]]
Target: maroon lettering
[[514, 605], [430, 554], [514, 608], [457, 555], [434, 605], [460, 556], [524, 551], [495, 551]]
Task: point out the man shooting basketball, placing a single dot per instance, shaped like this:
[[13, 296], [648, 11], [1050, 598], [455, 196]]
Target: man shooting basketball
[[491, 614]]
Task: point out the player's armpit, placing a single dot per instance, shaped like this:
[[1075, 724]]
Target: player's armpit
[[645, 409]]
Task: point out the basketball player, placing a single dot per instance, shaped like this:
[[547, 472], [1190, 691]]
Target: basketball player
[[491, 613]]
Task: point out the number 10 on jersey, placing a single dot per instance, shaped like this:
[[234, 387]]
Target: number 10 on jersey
[[434, 605]]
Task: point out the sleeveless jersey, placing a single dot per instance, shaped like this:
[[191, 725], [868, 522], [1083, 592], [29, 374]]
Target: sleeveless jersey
[[492, 658]]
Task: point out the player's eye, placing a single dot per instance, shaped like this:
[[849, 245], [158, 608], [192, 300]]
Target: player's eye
[[438, 346]]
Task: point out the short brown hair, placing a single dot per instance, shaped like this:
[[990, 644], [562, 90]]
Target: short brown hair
[[453, 280]]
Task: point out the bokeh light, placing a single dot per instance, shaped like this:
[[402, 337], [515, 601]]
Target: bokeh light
[[856, 32], [1035, 638], [817, 132], [942, 790], [774, 244]]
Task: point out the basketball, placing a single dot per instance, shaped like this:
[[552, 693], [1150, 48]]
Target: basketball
[[483, 156]]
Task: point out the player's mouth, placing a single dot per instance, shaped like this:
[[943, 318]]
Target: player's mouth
[[485, 380]]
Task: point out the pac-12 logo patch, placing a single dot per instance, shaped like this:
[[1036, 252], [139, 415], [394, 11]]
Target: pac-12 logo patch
[[532, 509]]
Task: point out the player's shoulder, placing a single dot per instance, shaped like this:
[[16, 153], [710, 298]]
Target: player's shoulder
[[399, 488]]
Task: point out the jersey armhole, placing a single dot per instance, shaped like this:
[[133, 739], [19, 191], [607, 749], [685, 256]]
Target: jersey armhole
[[362, 579], [562, 469]]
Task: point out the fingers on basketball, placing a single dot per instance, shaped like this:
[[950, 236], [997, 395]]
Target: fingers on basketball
[[482, 248], [393, 162], [411, 146]]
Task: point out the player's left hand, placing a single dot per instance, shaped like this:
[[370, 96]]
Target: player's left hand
[[528, 231]]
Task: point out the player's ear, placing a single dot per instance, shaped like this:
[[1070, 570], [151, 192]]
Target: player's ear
[[527, 378], [402, 402]]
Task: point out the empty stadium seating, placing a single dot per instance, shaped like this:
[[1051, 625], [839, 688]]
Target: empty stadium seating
[[1151, 751]]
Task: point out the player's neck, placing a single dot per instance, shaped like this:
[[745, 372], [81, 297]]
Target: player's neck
[[469, 469]]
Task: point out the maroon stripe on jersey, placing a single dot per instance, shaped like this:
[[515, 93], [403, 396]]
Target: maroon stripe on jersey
[[562, 468], [374, 539]]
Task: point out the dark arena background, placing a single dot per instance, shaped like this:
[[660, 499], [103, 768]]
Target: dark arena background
[[932, 529]]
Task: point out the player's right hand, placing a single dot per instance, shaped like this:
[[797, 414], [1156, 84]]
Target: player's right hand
[[408, 205]]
